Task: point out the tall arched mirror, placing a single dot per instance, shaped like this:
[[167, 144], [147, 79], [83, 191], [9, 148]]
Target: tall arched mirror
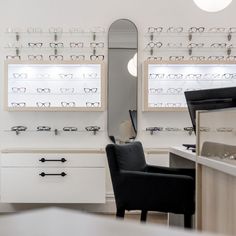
[[122, 81]]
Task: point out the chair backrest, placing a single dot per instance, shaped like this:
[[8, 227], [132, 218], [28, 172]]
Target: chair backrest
[[124, 157]]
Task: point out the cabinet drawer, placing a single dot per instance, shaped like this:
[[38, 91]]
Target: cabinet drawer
[[52, 160], [80, 185]]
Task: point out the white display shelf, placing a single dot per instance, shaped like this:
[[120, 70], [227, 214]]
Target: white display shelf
[[165, 82], [59, 86]]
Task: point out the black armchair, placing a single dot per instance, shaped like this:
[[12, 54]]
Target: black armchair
[[138, 186]]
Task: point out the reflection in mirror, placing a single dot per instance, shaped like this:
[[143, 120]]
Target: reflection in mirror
[[122, 81]]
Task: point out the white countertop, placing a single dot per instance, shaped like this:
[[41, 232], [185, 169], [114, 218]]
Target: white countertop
[[53, 150], [63, 222], [226, 166], [183, 152]]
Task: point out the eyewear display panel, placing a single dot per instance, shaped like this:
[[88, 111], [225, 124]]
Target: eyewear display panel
[[166, 82], [47, 86]]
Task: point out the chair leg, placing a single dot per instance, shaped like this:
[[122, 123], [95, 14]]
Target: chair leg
[[187, 221], [120, 213], [143, 216]]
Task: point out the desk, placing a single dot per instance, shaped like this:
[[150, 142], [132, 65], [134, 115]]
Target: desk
[[215, 191], [62, 222], [180, 157]]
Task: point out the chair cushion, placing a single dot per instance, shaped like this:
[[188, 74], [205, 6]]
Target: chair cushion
[[130, 156]]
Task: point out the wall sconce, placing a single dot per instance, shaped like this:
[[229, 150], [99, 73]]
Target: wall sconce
[[212, 5]]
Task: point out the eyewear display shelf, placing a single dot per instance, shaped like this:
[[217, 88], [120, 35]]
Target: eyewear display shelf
[[166, 81], [58, 86]]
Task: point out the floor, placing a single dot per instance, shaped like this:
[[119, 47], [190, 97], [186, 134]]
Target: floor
[[157, 218]]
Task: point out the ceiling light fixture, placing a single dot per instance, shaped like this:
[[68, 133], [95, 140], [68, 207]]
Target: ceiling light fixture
[[212, 5]]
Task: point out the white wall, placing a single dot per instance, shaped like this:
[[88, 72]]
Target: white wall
[[47, 13]]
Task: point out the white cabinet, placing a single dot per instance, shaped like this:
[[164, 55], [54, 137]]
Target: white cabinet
[[53, 178]]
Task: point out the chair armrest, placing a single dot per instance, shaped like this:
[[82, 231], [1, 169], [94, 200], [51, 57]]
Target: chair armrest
[[169, 170], [146, 181]]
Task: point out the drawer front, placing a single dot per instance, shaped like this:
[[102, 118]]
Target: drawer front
[[52, 160], [26, 185]]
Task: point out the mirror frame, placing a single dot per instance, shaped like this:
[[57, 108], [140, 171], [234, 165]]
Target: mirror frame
[[136, 87]]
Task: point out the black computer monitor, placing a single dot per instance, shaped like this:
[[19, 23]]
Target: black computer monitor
[[209, 99]]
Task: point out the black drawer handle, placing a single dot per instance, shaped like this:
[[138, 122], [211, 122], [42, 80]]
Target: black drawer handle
[[61, 160], [62, 174]]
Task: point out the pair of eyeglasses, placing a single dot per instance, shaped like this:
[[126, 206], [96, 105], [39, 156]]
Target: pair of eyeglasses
[[204, 129], [66, 76], [56, 57], [96, 57], [90, 75], [97, 45], [43, 76], [174, 45], [155, 29], [43, 104], [34, 30], [76, 30], [68, 104], [67, 90], [11, 57], [56, 45], [18, 104], [43, 128], [55, 30], [232, 30], [217, 30], [231, 58], [174, 90], [159, 104], [224, 129], [97, 29], [175, 129], [176, 58], [197, 58], [35, 57], [156, 76], [228, 76], [18, 89], [153, 45], [196, 45], [172, 104], [70, 128], [154, 58], [156, 90], [76, 44], [209, 76], [43, 90], [218, 45], [90, 90], [193, 76], [216, 58], [92, 128], [92, 104], [35, 45], [18, 128], [19, 75], [196, 30], [175, 29], [77, 57], [175, 76]]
